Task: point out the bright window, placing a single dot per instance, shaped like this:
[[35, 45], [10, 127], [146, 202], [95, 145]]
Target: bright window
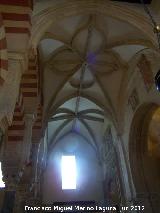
[[68, 171], [2, 184]]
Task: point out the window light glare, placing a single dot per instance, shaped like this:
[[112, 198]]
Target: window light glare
[[2, 184], [68, 171]]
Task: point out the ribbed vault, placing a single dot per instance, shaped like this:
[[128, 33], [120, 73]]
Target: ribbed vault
[[86, 60]]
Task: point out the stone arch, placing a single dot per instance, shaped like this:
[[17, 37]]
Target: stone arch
[[49, 16], [142, 166]]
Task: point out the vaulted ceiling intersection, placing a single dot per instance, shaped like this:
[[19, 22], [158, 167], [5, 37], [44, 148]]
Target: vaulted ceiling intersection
[[86, 61]]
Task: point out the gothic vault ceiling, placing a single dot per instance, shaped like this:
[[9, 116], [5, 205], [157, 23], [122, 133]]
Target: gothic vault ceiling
[[86, 65]]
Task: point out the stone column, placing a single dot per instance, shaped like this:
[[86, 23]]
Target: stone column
[[10, 90], [23, 192], [28, 185], [37, 166], [8, 202], [3, 128], [23, 187], [27, 141], [9, 196], [124, 169]]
